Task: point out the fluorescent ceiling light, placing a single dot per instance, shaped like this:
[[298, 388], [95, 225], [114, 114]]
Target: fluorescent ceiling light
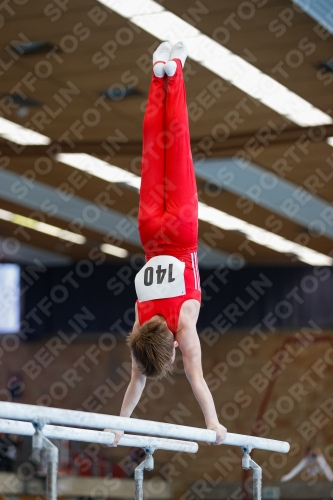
[[113, 250], [21, 135], [262, 237], [169, 26], [203, 48], [42, 227], [267, 90], [165, 25], [130, 8], [99, 168]]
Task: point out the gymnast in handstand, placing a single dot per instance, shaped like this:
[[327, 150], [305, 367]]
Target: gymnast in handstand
[[168, 286]]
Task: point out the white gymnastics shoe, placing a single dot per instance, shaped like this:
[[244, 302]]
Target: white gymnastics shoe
[[160, 57]]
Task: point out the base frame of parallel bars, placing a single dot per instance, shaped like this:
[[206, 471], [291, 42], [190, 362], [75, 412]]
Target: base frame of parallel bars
[[40, 442], [247, 464]]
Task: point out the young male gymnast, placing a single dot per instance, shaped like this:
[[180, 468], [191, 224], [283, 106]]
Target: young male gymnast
[[168, 286]]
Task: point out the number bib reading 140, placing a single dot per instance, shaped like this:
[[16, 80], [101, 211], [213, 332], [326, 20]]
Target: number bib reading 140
[[161, 278]]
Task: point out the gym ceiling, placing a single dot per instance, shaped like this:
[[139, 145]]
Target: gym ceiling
[[259, 83]]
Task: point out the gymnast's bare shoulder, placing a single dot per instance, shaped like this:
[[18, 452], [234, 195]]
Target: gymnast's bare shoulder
[[189, 314]]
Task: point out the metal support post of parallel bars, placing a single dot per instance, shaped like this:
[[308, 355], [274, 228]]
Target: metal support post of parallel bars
[[147, 464], [40, 442], [248, 463]]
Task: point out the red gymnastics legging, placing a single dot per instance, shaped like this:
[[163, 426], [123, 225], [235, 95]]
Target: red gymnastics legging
[[168, 211]]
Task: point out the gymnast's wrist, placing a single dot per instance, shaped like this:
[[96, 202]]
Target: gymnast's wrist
[[211, 424], [125, 413]]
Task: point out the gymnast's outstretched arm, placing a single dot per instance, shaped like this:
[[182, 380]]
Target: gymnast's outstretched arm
[[132, 397], [134, 391], [189, 344]]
